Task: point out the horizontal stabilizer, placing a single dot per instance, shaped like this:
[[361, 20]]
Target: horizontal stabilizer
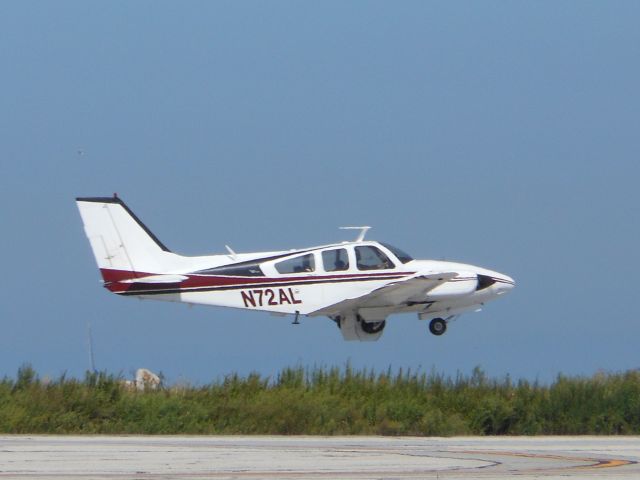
[[157, 279]]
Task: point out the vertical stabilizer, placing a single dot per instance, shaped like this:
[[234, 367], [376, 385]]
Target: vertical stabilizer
[[119, 240]]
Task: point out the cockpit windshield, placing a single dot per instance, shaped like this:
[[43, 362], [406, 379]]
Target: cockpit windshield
[[402, 256]]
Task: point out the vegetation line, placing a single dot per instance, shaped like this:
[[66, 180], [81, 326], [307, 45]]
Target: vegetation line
[[325, 401]]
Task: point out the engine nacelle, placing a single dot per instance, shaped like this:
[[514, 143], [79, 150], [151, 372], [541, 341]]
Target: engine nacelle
[[354, 328], [463, 284]]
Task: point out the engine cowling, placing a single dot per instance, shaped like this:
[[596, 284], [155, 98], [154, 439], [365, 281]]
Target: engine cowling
[[464, 284]]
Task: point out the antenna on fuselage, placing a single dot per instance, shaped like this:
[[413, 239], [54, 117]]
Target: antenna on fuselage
[[363, 232], [232, 254]]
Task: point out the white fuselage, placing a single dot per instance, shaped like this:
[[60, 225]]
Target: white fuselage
[[309, 292], [357, 284]]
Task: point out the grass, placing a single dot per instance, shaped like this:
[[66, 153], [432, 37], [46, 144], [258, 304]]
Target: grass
[[325, 401]]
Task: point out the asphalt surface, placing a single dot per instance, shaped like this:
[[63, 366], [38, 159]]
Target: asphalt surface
[[240, 457]]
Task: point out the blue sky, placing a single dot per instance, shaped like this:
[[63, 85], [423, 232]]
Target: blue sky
[[502, 134]]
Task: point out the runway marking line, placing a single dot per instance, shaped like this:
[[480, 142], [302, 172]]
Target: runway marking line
[[594, 462]]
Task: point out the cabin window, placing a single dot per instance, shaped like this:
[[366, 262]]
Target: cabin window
[[402, 256], [335, 260], [304, 263], [369, 257]]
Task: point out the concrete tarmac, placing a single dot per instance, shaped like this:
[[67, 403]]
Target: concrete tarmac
[[344, 458]]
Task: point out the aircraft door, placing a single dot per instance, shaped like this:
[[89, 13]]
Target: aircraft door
[[369, 257], [336, 263], [336, 260]]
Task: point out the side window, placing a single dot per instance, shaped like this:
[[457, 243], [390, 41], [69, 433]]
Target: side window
[[304, 263], [371, 258], [335, 260]]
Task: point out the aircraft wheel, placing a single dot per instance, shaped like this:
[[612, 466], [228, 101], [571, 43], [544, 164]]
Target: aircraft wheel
[[371, 328], [437, 326]]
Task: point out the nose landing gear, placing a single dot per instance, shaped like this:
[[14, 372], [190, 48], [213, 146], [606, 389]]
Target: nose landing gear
[[437, 326]]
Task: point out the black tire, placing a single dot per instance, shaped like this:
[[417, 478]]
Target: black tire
[[437, 326], [371, 328]]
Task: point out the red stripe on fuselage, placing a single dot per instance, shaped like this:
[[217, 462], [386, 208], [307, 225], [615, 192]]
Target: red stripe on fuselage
[[114, 278]]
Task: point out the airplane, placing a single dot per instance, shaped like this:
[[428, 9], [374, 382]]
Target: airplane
[[357, 284]]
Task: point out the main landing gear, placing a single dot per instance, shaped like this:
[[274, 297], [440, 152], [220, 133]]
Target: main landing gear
[[437, 326]]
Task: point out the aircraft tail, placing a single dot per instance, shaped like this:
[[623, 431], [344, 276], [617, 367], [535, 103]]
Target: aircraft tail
[[124, 248]]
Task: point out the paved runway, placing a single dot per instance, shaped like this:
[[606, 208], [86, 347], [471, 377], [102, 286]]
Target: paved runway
[[230, 457]]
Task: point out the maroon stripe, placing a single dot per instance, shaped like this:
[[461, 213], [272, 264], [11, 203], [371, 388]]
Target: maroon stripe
[[113, 279]]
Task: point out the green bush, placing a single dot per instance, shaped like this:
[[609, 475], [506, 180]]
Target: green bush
[[325, 401]]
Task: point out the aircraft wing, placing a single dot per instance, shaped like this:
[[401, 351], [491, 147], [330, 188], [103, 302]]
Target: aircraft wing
[[405, 290]]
